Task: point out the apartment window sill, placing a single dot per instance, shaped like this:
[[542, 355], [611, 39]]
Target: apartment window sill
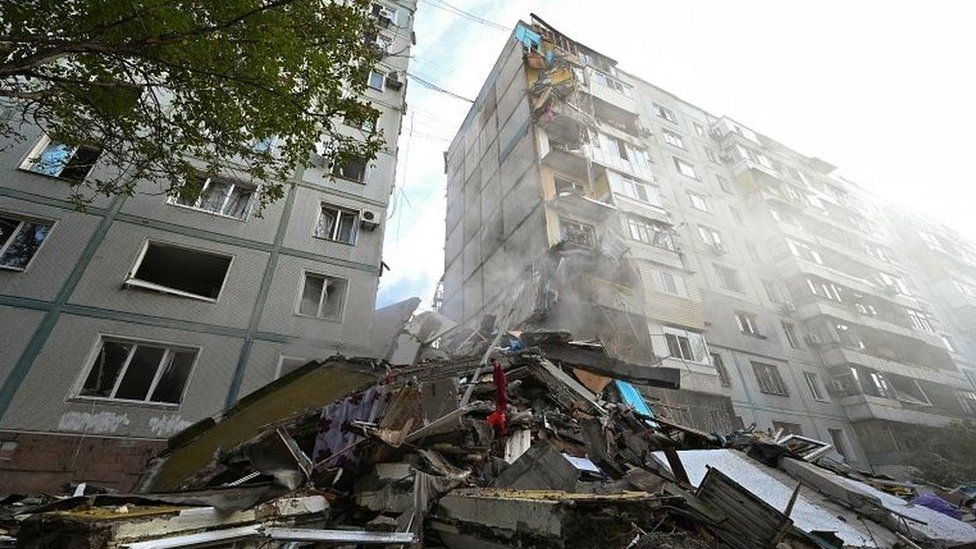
[[123, 402]]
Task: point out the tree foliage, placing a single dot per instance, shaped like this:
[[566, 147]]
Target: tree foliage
[[949, 456], [170, 88]]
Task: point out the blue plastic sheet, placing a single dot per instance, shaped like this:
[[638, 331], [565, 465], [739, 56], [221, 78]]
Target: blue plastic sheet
[[633, 398]]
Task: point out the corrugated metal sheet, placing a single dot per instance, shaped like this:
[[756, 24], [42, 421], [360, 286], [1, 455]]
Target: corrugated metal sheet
[[751, 522]]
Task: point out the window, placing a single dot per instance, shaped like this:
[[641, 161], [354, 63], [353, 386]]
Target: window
[[908, 390], [20, 239], [665, 113], [565, 185], [698, 201], [180, 271], [649, 232], [849, 337], [920, 321], [699, 129], [621, 147], [839, 441], [385, 15], [723, 374], [220, 196], [635, 189], [813, 383], [824, 289], [788, 428], [728, 277], [723, 183], [865, 309], [376, 80], [769, 380], [685, 168], [578, 233], [322, 296], [773, 292], [685, 345], [947, 341], [672, 283], [711, 155], [338, 224], [59, 160], [350, 167], [673, 139], [125, 369], [804, 252], [748, 323], [893, 284], [790, 330], [288, 364], [711, 237]]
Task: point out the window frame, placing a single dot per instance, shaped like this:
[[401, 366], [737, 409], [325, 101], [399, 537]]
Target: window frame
[[131, 279], [172, 200], [694, 197], [674, 139], [339, 210], [369, 78], [663, 112], [135, 341], [301, 293], [920, 320], [639, 225], [21, 220], [780, 388], [678, 162], [789, 330], [34, 154], [816, 387], [745, 319], [724, 378]]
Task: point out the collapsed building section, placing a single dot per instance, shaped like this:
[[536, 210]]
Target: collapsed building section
[[581, 241]]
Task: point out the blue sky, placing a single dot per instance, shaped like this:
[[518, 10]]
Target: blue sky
[[883, 90]]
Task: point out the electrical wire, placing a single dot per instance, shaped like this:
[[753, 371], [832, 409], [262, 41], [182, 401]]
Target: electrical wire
[[451, 8], [435, 87]]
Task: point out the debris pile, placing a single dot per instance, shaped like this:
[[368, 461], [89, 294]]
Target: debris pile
[[528, 439]]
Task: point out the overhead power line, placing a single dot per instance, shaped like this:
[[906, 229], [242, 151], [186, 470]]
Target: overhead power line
[[435, 87], [451, 8]]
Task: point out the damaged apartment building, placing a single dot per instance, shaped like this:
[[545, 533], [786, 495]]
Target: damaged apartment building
[[682, 239], [128, 321]]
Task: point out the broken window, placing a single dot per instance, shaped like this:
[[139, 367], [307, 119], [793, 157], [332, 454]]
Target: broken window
[[578, 233], [338, 224], [769, 379], [565, 185], [813, 383], [788, 428], [723, 374], [20, 239], [322, 296], [350, 167], [180, 271], [685, 168], [728, 277], [790, 330], [698, 201], [665, 113], [139, 371], [673, 139], [59, 160], [220, 196], [908, 390], [649, 232], [673, 284], [748, 323]]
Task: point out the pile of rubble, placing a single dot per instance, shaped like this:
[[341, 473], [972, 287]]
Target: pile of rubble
[[526, 439]]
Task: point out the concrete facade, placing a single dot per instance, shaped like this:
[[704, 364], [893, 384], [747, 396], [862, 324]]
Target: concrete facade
[[76, 291], [766, 277]]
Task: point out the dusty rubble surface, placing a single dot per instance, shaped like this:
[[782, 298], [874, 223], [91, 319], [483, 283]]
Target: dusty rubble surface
[[506, 445]]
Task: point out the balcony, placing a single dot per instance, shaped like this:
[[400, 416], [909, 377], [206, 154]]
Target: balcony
[[867, 408], [841, 311], [844, 356], [790, 266], [568, 154], [611, 90], [698, 378]]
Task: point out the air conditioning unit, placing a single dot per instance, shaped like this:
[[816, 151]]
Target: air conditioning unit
[[368, 220], [393, 81]]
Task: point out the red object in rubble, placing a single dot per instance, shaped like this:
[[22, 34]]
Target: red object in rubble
[[497, 418]]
